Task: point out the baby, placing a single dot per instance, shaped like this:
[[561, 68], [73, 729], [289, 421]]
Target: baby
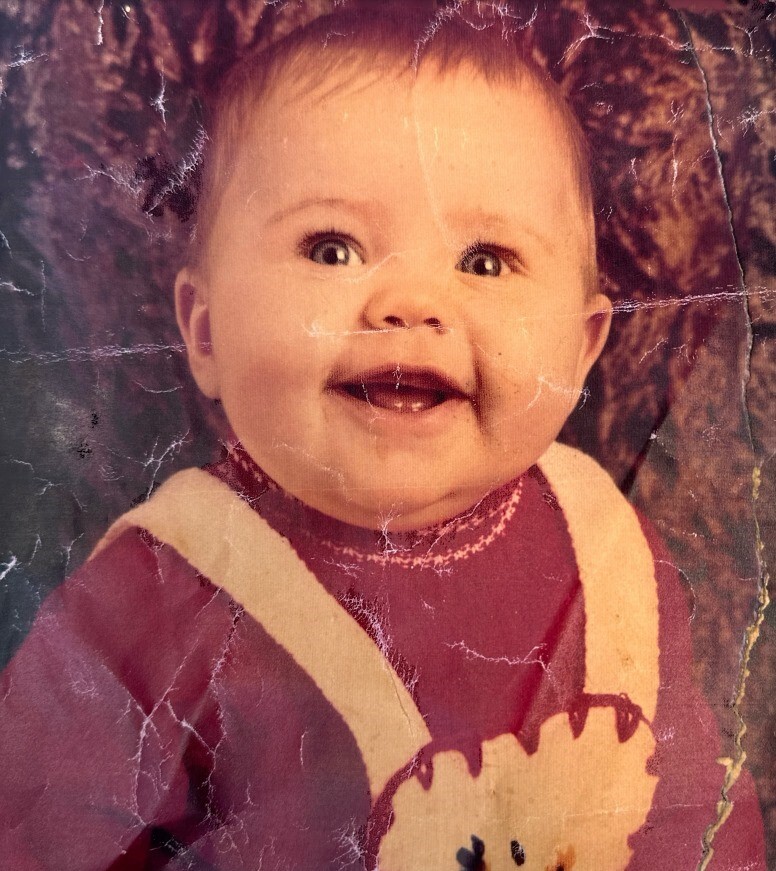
[[398, 626]]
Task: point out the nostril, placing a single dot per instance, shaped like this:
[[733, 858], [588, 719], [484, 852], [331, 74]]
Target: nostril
[[394, 321], [518, 852], [434, 323]]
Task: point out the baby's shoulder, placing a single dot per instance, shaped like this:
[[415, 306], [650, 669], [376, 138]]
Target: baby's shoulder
[[135, 601]]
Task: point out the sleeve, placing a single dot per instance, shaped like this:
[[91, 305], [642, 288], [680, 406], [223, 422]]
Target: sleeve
[[93, 715], [686, 759]]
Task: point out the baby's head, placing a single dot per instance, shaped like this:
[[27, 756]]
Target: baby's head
[[393, 288]]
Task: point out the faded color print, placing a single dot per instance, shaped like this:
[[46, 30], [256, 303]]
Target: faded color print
[[393, 622]]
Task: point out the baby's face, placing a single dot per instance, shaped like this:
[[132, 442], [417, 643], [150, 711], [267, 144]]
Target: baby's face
[[394, 294]]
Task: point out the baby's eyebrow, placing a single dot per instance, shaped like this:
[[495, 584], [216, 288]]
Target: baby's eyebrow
[[359, 208], [485, 221]]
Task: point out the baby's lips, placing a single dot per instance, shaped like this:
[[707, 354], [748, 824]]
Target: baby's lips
[[401, 377]]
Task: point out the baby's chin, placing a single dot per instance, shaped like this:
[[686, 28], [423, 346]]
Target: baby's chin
[[389, 511], [394, 493]]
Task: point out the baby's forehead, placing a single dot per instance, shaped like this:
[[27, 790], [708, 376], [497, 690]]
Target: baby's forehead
[[446, 142], [293, 84], [309, 115], [298, 91]]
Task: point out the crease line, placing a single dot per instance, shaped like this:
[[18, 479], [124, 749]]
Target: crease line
[[734, 764]]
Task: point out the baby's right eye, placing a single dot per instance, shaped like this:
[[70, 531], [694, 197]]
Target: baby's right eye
[[332, 249]]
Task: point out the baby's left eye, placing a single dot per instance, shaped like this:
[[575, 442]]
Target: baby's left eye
[[331, 249], [483, 260]]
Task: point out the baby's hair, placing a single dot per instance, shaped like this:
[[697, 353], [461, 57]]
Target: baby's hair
[[388, 40]]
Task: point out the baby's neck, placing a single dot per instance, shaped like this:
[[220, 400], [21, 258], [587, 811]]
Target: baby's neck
[[290, 514]]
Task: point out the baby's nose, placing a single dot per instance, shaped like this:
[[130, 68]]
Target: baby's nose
[[404, 308], [399, 322]]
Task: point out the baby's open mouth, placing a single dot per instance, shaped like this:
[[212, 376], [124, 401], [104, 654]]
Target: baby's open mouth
[[407, 391]]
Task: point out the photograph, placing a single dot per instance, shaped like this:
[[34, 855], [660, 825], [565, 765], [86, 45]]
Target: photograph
[[387, 435]]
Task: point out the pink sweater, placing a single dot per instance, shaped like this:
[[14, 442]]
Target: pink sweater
[[149, 721]]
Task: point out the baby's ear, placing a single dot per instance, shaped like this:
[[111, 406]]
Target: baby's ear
[[193, 315], [598, 320]]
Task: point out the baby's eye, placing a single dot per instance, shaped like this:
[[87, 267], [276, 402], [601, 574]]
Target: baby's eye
[[332, 250], [483, 260]]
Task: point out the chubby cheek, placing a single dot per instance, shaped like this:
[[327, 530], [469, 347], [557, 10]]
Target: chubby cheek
[[528, 383], [258, 373]]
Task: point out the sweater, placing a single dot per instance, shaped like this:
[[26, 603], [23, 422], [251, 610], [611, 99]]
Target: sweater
[[300, 693]]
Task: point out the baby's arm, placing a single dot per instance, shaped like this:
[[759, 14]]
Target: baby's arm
[[91, 739], [688, 747], [147, 721]]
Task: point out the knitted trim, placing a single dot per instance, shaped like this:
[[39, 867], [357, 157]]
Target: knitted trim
[[495, 521]]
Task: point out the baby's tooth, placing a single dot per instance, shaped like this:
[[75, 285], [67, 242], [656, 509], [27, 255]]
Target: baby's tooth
[[408, 400]]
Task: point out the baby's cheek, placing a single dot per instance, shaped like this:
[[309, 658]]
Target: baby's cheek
[[511, 380], [521, 417], [278, 361]]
